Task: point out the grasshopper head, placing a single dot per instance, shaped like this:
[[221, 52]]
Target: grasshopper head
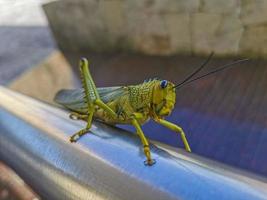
[[163, 98]]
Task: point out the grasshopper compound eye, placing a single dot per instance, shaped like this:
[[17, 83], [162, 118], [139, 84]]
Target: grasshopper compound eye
[[163, 84]]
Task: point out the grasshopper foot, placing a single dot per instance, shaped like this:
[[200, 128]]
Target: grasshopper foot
[[150, 162], [77, 116], [76, 136]]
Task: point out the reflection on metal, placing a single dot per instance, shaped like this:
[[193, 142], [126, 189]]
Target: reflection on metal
[[108, 163]]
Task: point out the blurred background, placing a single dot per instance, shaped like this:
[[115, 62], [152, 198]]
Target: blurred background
[[224, 116]]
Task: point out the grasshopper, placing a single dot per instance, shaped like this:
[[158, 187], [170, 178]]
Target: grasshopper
[[134, 104]]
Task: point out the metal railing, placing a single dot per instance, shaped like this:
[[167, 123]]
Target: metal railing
[[107, 163]]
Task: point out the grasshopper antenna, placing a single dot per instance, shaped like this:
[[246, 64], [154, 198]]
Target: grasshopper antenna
[[221, 68], [195, 72]]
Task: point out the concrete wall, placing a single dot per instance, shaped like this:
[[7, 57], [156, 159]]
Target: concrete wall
[[161, 27]]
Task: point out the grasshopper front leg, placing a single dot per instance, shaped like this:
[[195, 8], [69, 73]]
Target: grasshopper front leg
[[144, 141], [175, 128], [91, 98]]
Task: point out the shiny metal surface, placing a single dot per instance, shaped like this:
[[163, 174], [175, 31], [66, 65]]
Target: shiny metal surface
[[107, 164]]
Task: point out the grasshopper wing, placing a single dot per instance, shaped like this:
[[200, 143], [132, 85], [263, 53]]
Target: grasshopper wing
[[75, 99]]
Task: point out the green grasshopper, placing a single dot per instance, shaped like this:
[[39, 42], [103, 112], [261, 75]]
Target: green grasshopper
[[134, 104]]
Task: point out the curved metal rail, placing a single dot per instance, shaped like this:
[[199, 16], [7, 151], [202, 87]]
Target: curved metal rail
[[107, 164]]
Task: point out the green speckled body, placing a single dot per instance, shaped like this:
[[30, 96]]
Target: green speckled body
[[136, 99], [147, 98], [133, 105]]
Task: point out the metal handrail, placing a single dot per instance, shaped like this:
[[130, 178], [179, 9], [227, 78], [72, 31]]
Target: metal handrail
[[107, 163]]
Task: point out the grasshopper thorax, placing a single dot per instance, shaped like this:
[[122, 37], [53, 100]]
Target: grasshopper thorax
[[163, 98]]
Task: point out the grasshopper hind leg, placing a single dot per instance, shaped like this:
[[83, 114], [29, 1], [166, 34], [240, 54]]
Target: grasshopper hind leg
[[80, 133], [78, 116], [75, 137], [91, 99]]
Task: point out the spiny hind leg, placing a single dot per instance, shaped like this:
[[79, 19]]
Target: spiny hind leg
[[92, 97], [80, 133], [175, 128], [145, 143]]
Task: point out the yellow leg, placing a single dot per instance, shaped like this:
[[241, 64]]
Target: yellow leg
[[92, 99], [78, 116], [145, 143], [175, 128], [105, 107], [91, 93], [80, 133]]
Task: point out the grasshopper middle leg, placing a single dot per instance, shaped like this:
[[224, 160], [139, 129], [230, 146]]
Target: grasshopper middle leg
[[145, 143]]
